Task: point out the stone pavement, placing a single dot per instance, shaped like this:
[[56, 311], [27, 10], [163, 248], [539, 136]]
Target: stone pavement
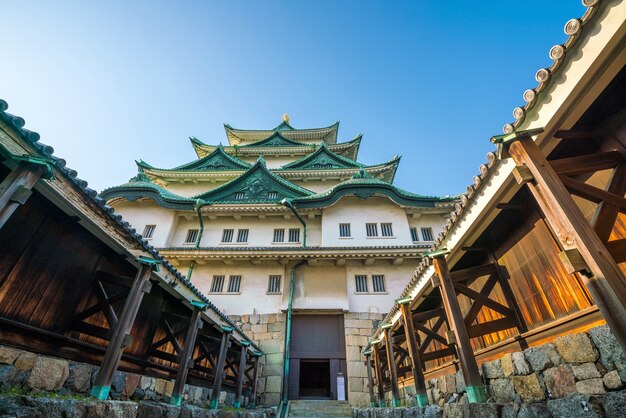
[[325, 409]]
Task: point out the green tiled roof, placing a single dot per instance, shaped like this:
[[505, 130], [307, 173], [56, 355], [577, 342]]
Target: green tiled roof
[[277, 140], [322, 159], [218, 160], [364, 186], [257, 185]]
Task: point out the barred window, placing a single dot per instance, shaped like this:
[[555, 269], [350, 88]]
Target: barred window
[[240, 195], [279, 235], [414, 235], [234, 282], [378, 283], [242, 235], [274, 284], [192, 236], [361, 283], [217, 284], [272, 195], [148, 231], [427, 234], [294, 235], [371, 229], [344, 230], [227, 235], [386, 230]]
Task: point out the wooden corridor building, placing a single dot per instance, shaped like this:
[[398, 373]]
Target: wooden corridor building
[[78, 282], [537, 246]]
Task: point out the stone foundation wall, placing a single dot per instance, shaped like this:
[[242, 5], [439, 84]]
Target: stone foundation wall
[[25, 406], [24, 372], [268, 331], [359, 327], [580, 374]]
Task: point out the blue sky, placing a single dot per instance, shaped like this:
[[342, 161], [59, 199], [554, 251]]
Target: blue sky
[[106, 83]]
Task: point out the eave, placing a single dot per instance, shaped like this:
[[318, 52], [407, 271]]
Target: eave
[[242, 136]]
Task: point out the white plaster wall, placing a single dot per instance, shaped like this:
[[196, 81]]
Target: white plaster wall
[[271, 161], [192, 189], [320, 287], [436, 222], [396, 278], [140, 214], [316, 186], [358, 212]]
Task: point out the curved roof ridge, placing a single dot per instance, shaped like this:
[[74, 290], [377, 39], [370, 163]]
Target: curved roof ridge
[[197, 165], [322, 149]]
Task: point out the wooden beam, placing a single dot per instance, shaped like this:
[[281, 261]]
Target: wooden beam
[[617, 249], [15, 188], [241, 372], [219, 370], [489, 327], [414, 354], [370, 380], [606, 214], [379, 376], [254, 384], [186, 360], [113, 355], [606, 282], [592, 193], [472, 273], [475, 388], [587, 163], [393, 373]]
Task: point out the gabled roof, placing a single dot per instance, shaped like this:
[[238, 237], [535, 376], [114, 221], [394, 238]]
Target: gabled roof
[[277, 139], [257, 185], [327, 134], [364, 186], [322, 159], [141, 186], [218, 160], [349, 149]]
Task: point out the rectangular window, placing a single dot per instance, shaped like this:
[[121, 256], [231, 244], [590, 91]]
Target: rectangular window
[[414, 235], [386, 230], [427, 234], [372, 230], [344, 230], [274, 284], [272, 195], [148, 231], [279, 235], [234, 282], [378, 283], [192, 236], [240, 195], [242, 235], [217, 284], [294, 235], [361, 283], [227, 235]]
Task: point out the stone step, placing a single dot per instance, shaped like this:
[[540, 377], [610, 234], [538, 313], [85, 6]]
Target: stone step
[[319, 409]]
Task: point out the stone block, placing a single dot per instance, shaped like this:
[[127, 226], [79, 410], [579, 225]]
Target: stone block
[[272, 398], [542, 357], [433, 411], [506, 364], [261, 336], [366, 332], [590, 387], [245, 319], [576, 406], [25, 361], [502, 390], [259, 328], [254, 319], [273, 384], [450, 383], [460, 382], [615, 404], [520, 365], [358, 323], [112, 409], [246, 327], [275, 358], [272, 370], [350, 315], [359, 399], [586, 371], [353, 353], [275, 327], [132, 381], [611, 353], [8, 355], [356, 369], [355, 384], [612, 380], [529, 388], [272, 346], [79, 379], [147, 383], [357, 340], [48, 374], [484, 410], [559, 381], [164, 387], [576, 348], [493, 369]]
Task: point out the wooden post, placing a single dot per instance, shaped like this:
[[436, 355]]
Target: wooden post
[[414, 353], [219, 368], [241, 372], [379, 376], [186, 358], [15, 189], [121, 337], [255, 378], [391, 364], [370, 380], [475, 388], [604, 279]]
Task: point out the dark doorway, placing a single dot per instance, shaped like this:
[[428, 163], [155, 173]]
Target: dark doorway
[[315, 379]]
